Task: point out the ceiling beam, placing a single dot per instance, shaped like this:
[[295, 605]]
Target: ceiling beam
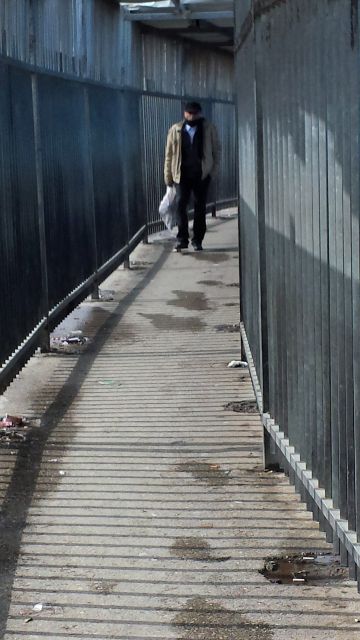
[[151, 15]]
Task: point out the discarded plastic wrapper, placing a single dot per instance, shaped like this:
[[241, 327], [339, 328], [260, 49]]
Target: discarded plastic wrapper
[[74, 340], [168, 208], [11, 421], [237, 364], [74, 337]]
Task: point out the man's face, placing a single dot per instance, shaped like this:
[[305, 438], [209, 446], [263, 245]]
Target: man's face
[[191, 115]]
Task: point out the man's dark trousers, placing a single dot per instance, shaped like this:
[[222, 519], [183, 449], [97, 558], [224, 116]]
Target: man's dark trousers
[[199, 188]]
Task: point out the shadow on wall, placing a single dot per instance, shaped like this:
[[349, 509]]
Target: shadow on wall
[[313, 337], [306, 258]]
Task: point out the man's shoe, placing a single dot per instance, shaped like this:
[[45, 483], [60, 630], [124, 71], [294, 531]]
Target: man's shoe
[[197, 245], [181, 245]]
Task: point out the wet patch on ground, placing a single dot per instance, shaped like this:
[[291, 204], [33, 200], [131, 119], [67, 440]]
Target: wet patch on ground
[[243, 406], [211, 474], [306, 569], [125, 333], [195, 548], [191, 300], [167, 322], [105, 587], [209, 256], [231, 304], [211, 283], [233, 284], [228, 328], [202, 619]]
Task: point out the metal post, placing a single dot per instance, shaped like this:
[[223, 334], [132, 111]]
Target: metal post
[[269, 447], [95, 294], [45, 338]]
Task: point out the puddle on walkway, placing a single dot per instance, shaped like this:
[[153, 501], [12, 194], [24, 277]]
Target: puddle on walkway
[[233, 284], [228, 328], [211, 283], [306, 569], [192, 300], [195, 548], [231, 304], [244, 406], [211, 474], [209, 256], [202, 619], [167, 322]]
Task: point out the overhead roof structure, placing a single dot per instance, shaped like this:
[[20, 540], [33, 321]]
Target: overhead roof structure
[[204, 21]]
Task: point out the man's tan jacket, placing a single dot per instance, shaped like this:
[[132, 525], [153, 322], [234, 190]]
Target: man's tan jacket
[[210, 161]]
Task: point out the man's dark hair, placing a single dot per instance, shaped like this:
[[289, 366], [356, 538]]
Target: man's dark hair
[[192, 107]]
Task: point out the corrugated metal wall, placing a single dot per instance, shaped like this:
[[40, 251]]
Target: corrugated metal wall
[[81, 151], [81, 37], [186, 68], [91, 40], [68, 202], [158, 114], [298, 104]]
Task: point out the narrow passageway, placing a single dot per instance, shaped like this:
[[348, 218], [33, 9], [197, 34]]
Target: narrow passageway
[[139, 509]]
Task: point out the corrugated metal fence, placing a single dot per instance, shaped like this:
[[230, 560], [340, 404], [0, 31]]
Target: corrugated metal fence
[[158, 114], [70, 209], [298, 105], [80, 184]]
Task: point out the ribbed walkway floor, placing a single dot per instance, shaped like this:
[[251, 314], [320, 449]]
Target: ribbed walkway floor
[[140, 510]]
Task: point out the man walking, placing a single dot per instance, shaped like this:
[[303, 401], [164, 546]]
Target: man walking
[[191, 159]]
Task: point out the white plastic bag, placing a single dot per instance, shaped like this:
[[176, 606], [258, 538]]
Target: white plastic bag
[[168, 208]]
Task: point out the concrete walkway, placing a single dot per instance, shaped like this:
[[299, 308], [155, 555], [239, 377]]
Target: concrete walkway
[[139, 509]]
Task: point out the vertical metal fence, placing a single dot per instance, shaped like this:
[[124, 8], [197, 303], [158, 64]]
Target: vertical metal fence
[[72, 206], [298, 107], [158, 114], [81, 179]]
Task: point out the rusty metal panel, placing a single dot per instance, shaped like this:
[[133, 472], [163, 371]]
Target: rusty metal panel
[[307, 115]]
